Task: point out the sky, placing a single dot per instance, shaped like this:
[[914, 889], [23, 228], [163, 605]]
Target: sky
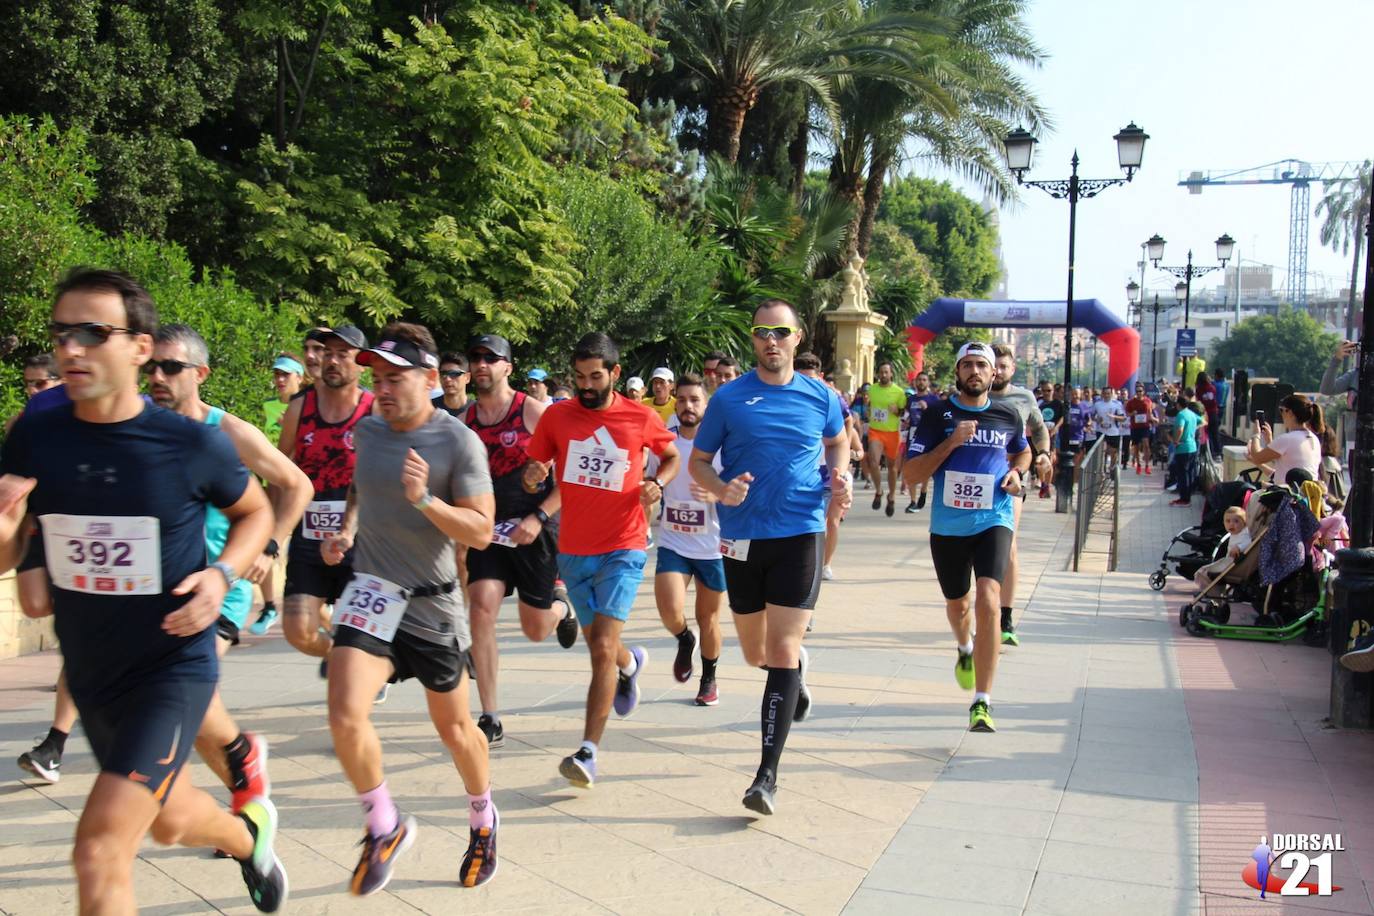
[[1217, 84]]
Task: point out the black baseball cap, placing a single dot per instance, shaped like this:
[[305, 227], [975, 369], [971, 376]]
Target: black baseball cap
[[493, 342], [399, 352], [348, 334]]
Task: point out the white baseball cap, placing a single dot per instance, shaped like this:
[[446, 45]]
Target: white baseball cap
[[664, 373], [634, 382], [977, 350]]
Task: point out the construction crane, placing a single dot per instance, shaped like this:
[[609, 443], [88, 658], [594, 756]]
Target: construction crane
[[1298, 173]]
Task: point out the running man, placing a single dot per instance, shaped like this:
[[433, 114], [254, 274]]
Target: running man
[[119, 491], [317, 433], [886, 400], [916, 406], [689, 548], [453, 379], [1110, 417], [523, 555], [1141, 411], [287, 373], [597, 441], [976, 450], [420, 484], [809, 364], [771, 428]]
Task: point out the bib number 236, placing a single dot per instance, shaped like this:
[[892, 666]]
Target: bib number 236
[[371, 604]]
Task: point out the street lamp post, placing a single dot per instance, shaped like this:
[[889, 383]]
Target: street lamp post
[[1133, 296], [1155, 248]]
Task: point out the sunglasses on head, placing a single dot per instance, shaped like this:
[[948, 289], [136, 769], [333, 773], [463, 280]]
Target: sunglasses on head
[[772, 331], [488, 358], [168, 366], [453, 373], [85, 333]]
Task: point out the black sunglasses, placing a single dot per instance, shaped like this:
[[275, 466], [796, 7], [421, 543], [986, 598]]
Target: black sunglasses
[[85, 333], [453, 373], [168, 366], [488, 358]]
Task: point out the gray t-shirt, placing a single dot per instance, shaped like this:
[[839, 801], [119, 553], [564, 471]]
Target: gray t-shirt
[[395, 541], [1024, 401]]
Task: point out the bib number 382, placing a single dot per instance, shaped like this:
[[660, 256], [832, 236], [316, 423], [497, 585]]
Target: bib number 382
[[969, 491], [104, 555], [371, 604]]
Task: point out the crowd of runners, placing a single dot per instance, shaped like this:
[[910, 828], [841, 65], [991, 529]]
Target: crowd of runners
[[142, 518]]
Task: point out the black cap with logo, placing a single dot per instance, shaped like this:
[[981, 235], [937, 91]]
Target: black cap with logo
[[348, 334], [493, 342]]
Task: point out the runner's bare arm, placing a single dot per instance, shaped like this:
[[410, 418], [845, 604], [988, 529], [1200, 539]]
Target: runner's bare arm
[[837, 459], [250, 525], [919, 468], [1039, 434], [534, 410], [468, 520], [14, 500], [286, 442], [290, 490], [334, 546]]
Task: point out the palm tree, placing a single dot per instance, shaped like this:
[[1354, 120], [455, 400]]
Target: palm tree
[[1346, 204], [734, 49]]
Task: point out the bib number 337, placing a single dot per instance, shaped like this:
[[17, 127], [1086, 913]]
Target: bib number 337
[[597, 462]]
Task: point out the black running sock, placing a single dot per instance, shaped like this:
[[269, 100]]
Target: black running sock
[[685, 635], [1006, 617], [779, 706], [236, 753], [708, 668], [267, 608], [57, 740]]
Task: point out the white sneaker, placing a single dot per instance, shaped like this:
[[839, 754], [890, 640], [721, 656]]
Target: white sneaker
[[827, 573]]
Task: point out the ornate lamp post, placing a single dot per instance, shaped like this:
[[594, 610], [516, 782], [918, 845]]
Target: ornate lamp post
[[1226, 246], [1133, 296]]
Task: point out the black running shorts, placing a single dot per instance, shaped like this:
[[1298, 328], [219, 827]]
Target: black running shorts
[[984, 554], [227, 630], [782, 571], [437, 667], [312, 576], [1140, 435], [1114, 442], [146, 734], [530, 569]]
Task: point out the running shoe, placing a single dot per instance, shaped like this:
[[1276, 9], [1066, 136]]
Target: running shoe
[[759, 797], [263, 873], [911, 508], [706, 694], [493, 729], [980, 718], [43, 761], [380, 853], [266, 620], [567, 627], [1180, 502], [963, 670], [877, 501], [250, 780], [1009, 637], [627, 688], [580, 768], [382, 695], [803, 692], [682, 662], [827, 573], [1137, 469], [921, 501], [891, 508], [479, 865], [1148, 472], [1359, 658]]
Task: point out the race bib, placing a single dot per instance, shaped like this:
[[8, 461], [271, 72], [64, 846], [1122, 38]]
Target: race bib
[[371, 604], [735, 548], [879, 415], [1141, 418], [968, 491], [685, 517], [501, 534], [1075, 442], [597, 462], [102, 555], [322, 517]]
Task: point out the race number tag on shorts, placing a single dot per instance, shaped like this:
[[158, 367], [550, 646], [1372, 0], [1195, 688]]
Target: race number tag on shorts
[[1075, 442], [968, 491], [879, 415], [323, 517], [686, 517], [597, 462], [735, 548], [1141, 418], [104, 555], [371, 604], [501, 534]]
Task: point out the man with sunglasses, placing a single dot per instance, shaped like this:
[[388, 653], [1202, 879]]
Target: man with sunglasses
[[975, 447], [598, 442], [453, 378], [523, 555], [317, 433], [771, 428], [180, 365], [119, 491]]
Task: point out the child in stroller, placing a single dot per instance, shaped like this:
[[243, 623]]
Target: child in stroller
[[1236, 542], [1200, 542]]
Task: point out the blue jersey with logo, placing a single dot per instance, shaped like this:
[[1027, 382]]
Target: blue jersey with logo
[[916, 405], [775, 433], [968, 487]]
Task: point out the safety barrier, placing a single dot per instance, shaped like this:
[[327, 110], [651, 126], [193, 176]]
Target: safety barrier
[[1098, 482]]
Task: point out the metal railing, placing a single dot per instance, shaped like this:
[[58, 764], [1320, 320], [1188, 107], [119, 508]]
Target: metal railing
[[1096, 492]]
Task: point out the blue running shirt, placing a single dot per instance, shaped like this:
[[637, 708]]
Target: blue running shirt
[[774, 432], [974, 471]]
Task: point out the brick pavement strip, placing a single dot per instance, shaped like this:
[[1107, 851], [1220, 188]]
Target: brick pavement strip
[[1085, 801]]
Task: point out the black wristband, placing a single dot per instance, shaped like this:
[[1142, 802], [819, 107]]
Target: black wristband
[[272, 548], [543, 516]]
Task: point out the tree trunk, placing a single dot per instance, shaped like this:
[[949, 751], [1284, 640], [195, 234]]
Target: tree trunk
[[279, 116], [725, 120], [798, 153], [873, 196]]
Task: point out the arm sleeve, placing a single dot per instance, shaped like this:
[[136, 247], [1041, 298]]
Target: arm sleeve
[[541, 447], [471, 473], [1016, 445], [14, 453], [711, 432], [928, 433], [217, 470], [834, 418]]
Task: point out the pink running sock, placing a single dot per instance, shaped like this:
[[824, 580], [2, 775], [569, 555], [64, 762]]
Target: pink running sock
[[480, 810], [382, 816]]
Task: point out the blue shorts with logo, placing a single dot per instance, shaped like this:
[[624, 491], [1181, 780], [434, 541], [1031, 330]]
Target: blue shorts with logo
[[603, 583], [709, 573]]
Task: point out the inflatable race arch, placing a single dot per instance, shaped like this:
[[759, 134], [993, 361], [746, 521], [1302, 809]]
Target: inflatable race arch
[[1121, 340]]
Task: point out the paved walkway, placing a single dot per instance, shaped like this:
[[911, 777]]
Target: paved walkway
[[1089, 800]]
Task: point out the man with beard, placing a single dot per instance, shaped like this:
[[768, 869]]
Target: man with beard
[[523, 555], [1033, 423], [179, 366], [976, 450], [885, 402], [771, 428], [689, 548], [916, 406], [598, 441], [317, 432]]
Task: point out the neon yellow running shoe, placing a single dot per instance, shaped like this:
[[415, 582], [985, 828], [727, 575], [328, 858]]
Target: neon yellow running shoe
[[979, 718], [963, 670]]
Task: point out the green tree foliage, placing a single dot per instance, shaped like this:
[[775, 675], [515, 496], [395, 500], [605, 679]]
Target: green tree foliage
[[948, 228], [1290, 346]]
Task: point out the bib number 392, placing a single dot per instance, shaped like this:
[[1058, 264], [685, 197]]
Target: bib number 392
[[371, 604], [969, 491], [102, 555]]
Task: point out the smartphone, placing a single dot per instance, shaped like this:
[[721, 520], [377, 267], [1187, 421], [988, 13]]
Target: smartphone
[[1259, 417]]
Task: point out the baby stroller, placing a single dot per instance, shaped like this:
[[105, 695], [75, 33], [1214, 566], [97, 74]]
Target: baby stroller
[[1159, 444], [1200, 541], [1292, 607]]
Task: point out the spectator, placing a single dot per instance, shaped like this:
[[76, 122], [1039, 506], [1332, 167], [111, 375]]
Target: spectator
[[1207, 397], [1298, 447], [1223, 388], [1189, 368], [1183, 467]]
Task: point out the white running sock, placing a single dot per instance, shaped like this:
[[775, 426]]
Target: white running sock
[[630, 669], [591, 746], [980, 695], [966, 647]]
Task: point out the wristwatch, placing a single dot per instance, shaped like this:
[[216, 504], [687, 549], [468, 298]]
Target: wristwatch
[[230, 577], [272, 548], [656, 482], [541, 515], [423, 502]]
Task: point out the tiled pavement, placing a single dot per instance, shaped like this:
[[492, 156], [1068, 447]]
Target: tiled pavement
[[1086, 801]]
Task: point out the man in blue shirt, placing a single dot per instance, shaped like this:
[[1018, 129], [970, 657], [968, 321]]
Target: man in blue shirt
[[771, 427], [916, 405], [976, 450]]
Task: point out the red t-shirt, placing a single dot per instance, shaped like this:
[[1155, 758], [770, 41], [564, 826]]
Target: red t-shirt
[[599, 458], [1140, 407]]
